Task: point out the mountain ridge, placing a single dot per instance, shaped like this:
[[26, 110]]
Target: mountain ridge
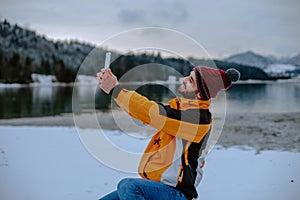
[[286, 66], [24, 52]]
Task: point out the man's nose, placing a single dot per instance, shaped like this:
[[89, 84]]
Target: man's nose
[[184, 79]]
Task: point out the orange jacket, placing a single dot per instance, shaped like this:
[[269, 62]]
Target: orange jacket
[[174, 152]]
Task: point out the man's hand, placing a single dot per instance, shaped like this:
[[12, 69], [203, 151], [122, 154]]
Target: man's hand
[[107, 80]]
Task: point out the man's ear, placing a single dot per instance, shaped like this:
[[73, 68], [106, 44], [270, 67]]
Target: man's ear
[[198, 95]]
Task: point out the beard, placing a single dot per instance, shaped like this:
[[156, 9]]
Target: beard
[[187, 94]]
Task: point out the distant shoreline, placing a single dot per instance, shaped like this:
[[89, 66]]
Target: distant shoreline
[[91, 80], [261, 131]]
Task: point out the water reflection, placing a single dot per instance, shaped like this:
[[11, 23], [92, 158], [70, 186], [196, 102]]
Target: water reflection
[[47, 100], [264, 97], [35, 101], [15, 102]]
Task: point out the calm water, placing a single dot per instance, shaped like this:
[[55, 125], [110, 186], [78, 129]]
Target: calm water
[[55, 100]]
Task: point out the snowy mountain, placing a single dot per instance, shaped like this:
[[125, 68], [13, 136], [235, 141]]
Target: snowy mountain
[[294, 60], [24, 53], [249, 58], [275, 67], [38, 48]]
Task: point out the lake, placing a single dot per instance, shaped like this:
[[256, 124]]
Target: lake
[[49, 100]]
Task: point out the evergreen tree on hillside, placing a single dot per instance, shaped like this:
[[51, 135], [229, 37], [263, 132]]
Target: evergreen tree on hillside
[[64, 73], [17, 69]]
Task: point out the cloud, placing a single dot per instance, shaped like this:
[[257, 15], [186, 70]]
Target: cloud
[[132, 17], [154, 14], [221, 25], [173, 16]]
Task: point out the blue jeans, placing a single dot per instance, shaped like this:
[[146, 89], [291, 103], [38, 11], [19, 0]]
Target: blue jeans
[[137, 188]]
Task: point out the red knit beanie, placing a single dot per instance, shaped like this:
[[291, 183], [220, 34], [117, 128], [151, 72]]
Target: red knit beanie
[[211, 81]]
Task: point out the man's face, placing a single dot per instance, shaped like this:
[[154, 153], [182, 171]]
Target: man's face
[[189, 86]]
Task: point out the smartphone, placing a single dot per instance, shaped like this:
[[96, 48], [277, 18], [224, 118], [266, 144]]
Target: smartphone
[[107, 60]]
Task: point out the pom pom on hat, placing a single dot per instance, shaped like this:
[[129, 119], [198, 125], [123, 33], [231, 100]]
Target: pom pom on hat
[[233, 75], [211, 81]]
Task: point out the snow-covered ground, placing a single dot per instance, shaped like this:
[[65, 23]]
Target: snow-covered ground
[[52, 163], [279, 68], [43, 79]]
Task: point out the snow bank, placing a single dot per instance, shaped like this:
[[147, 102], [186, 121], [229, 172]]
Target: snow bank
[[52, 163], [86, 80], [43, 79], [279, 68], [11, 85]]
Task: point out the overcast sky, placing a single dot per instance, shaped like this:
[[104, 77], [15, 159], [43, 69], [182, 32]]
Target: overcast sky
[[223, 27]]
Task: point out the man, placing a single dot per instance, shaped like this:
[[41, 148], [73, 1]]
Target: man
[[171, 166]]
